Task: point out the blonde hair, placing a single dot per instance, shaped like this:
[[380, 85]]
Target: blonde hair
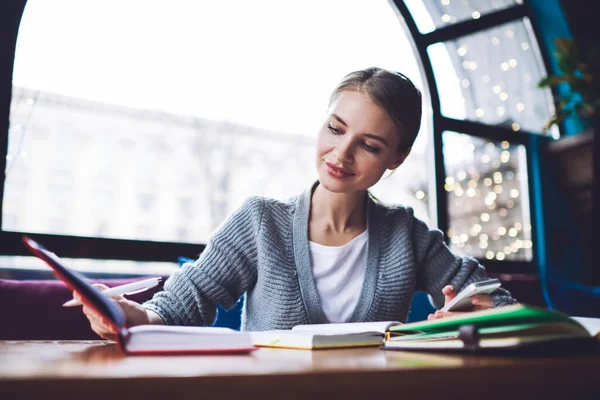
[[393, 92]]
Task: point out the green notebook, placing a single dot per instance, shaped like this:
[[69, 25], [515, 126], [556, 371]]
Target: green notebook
[[514, 327]]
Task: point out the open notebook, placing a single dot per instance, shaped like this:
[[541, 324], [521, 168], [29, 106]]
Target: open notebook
[[145, 339], [326, 336], [515, 327]]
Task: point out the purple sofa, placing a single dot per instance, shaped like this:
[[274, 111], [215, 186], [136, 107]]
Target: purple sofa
[[32, 310]]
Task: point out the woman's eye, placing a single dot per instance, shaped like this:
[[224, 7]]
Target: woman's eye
[[371, 148], [334, 130]]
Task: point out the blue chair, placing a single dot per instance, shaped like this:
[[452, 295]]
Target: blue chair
[[230, 318], [420, 307], [574, 298]]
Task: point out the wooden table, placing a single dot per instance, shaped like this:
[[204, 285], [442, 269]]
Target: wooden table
[[97, 370]]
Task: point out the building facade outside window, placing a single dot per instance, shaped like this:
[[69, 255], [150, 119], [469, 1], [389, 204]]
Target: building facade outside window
[[158, 134]]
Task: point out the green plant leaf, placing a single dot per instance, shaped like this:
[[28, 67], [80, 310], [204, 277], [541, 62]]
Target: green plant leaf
[[585, 110], [580, 97], [566, 54], [565, 45], [552, 121], [553, 80], [563, 103], [567, 64], [544, 82]]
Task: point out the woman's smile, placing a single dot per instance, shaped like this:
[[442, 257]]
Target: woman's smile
[[337, 172]]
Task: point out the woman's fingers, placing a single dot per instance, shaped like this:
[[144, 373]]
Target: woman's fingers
[[479, 301], [482, 301], [100, 286], [90, 312], [443, 314], [449, 293], [103, 333], [98, 323], [102, 329]]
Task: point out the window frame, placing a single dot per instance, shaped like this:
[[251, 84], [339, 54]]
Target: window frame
[[496, 133], [138, 250]]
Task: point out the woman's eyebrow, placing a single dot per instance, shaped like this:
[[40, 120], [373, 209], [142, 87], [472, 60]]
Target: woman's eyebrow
[[378, 138], [369, 135], [341, 121]]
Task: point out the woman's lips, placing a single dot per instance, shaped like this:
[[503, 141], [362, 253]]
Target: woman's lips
[[337, 172]]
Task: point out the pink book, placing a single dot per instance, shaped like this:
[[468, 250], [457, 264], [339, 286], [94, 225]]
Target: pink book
[[145, 339]]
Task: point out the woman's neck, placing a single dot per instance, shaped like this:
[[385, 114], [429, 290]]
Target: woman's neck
[[338, 212]]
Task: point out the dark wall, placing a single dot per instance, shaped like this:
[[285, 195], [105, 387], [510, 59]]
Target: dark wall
[[583, 22], [10, 18]]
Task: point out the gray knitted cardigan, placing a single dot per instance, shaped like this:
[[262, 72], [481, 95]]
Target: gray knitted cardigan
[[262, 251]]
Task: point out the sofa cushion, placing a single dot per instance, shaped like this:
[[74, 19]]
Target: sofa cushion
[[32, 310]]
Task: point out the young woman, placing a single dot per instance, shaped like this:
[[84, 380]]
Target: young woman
[[333, 253]]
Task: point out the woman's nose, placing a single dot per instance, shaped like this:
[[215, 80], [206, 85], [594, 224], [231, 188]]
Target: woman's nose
[[343, 152]]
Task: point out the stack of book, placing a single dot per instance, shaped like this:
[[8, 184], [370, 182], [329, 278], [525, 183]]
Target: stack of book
[[514, 327]]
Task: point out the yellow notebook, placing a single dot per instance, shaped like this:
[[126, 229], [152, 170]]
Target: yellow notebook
[[325, 336]]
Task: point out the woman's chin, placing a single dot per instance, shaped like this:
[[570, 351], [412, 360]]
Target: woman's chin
[[338, 185]]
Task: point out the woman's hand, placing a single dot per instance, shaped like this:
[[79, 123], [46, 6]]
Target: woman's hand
[[135, 314], [479, 301]]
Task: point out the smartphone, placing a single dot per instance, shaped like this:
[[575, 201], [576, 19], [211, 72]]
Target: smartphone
[[462, 301]]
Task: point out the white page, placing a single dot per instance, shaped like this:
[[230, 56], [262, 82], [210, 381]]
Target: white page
[[154, 338], [349, 327], [592, 325], [311, 340], [283, 338], [181, 329]]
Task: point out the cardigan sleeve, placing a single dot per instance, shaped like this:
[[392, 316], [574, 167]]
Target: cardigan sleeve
[[224, 271], [439, 267]]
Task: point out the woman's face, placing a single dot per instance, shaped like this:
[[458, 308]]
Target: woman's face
[[356, 145]]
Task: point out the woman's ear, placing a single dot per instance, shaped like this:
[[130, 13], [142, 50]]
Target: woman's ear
[[400, 159]]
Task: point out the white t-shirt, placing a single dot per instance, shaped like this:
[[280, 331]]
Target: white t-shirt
[[339, 272]]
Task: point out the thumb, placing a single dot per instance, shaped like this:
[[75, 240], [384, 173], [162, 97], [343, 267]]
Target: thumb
[[449, 293], [101, 287]]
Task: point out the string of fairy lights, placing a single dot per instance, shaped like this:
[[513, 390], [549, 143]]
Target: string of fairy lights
[[486, 183], [485, 201]]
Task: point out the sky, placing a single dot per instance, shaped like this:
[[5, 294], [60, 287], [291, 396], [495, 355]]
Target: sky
[[270, 64]]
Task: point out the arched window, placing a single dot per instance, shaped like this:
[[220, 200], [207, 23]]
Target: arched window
[[202, 103], [151, 121]]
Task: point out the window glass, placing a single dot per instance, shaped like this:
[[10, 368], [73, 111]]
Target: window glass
[[488, 198], [491, 77], [33, 266], [432, 14], [159, 127]]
